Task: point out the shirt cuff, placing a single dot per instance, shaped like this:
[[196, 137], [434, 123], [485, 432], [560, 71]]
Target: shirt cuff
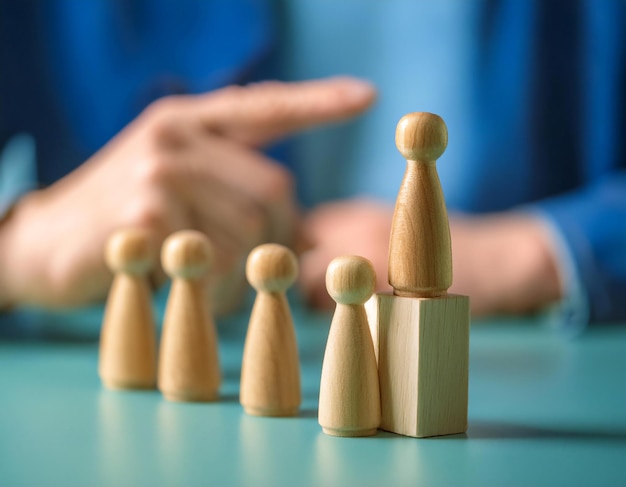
[[572, 313]]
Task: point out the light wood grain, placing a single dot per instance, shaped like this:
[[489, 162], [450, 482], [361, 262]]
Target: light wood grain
[[420, 255], [128, 339], [349, 403], [423, 356], [189, 361], [270, 371]]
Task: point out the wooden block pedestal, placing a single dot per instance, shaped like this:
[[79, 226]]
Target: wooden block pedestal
[[422, 350]]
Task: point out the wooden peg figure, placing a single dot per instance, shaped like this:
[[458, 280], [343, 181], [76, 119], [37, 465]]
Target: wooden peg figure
[[270, 371], [128, 337], [421, 332], [189, 362], [420, 255], [349, 402]]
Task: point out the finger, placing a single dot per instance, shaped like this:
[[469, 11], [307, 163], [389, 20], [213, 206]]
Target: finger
[[261, 113], [227, 227], [217, 213], [257, 186], [238, 219], [233, 195]]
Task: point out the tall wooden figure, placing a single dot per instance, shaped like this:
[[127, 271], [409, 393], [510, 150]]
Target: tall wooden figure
[[270, 371], [421, 333], [189, 364], [349, 393], [128, 337]]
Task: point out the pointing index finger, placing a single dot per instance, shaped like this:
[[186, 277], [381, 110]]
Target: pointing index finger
[[260, 113]]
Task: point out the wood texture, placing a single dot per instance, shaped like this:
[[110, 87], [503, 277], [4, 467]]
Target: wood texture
[[422, 348], [189, 361], [128, 338], [270, 371], [349, 403], [420, 255]]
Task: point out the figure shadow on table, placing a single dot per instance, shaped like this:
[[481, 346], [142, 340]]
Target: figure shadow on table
[[488, 430], [503, 430]]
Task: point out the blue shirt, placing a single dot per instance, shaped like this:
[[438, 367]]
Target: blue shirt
[[532, 93]]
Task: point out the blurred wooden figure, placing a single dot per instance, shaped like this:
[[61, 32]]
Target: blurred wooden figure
[[128, 337], [349, 402], [421, 333], [189, 363], [270, 372]]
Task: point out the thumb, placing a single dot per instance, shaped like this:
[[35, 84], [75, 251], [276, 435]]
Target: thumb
[[260, 113]]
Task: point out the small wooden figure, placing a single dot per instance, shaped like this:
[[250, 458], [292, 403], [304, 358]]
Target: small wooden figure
[[420, 254], [128, 337], [270, 371], [349, 392], [421, 333], [189, 363]]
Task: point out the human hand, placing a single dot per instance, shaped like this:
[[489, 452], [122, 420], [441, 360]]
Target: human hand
[[347, 227], [503, 261], [185, 162]]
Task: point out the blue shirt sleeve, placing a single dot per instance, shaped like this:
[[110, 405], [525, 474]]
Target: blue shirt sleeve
[[591, 226]]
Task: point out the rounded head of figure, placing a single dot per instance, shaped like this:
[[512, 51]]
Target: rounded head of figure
[[130, 251], [187, 254], [350, 279], [421, 136], [271, 268]]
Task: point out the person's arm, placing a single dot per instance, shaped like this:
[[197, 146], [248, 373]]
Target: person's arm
[[186, 162]]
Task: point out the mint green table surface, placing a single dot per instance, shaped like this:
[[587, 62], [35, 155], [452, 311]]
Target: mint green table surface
[[543, 410]]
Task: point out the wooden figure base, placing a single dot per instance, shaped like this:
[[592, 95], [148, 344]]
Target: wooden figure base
[[115, 385], [350, 433], [422, 350]]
